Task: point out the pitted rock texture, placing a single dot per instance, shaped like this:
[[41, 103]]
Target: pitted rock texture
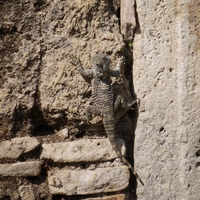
[[166, 79], [73, 182], [35, 49], [84, 150]]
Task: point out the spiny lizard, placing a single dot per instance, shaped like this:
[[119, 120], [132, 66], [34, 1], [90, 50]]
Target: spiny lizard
[[102, 96]]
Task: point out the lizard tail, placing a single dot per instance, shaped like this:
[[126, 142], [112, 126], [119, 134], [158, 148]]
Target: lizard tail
[[110, 131], [123, 159], [132, 170]]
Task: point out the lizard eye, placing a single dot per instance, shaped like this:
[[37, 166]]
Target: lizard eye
[[97, 69]]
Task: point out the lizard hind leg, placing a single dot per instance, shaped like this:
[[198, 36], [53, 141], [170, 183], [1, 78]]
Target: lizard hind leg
[[92, 110], [127, 105], [119, 100]]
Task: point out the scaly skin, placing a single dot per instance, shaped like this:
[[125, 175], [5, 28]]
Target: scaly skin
[[102, 96]]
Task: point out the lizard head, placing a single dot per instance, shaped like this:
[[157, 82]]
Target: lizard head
[[100, 64]]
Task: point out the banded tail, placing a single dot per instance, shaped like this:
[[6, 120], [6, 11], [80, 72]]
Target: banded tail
[[109, 126]]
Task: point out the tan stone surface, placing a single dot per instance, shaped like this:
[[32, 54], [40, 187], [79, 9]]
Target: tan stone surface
[[85, 30], [15, 147], [77, 182], [127, 19], [166, 79], [84, 150], [34, 55], [29, 168]]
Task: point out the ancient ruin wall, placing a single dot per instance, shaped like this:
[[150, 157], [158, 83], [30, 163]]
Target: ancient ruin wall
[[47, 152]]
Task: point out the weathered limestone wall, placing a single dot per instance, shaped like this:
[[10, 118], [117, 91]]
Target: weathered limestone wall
[[47, 151], [166, 78]]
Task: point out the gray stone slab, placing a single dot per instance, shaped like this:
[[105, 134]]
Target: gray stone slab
[[15, 147], [128, 21], [84, 150], [30, 168], [80, 182]]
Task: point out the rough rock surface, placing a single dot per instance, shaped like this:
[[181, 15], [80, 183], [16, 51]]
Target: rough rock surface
[[84, 150], [15, 147], [128, 20], [26, 192], [64, 133], [29, 168], [166, 79], [72, 182], [46, 31]]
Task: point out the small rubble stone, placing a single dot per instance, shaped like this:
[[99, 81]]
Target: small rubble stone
[[31, 168], [84, 150], [81, 182], [64, 133], [15, 147], [26, 192], [112, 197]]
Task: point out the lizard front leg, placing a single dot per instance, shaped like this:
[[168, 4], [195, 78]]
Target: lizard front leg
[[119, 100], [118, 69], [76, 62]]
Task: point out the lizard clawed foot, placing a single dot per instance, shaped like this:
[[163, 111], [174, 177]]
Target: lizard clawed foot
[[130, 103], [122, 60]]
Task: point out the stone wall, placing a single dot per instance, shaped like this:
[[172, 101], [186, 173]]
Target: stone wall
[[68, 167], [166, 79], [47, 151]]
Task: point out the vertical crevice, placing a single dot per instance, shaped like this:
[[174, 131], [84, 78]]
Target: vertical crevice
[[36, 115], [130, 119], [137, 29], [134, 114]]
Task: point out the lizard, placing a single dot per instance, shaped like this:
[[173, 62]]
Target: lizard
[[103, 103]]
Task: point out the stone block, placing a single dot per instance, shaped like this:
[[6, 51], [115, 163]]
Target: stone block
[[15, 147], [84, 150], [30, 168], [82, 182], [166, 80], [128, 22], [64, 133], [111, 197]]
